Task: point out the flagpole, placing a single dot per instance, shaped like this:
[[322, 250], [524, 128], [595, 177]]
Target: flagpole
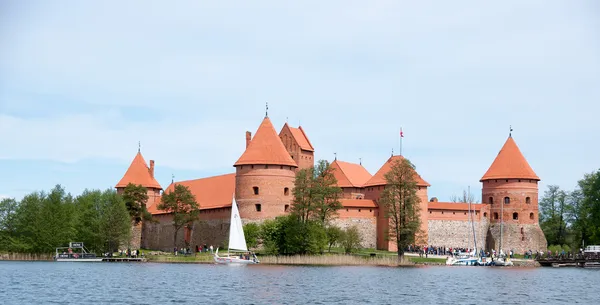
[[401, 136]]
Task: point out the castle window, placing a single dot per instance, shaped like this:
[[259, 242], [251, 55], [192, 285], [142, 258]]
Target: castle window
[[531, 216], [346, 210], [491, 200], [252, 166], [286, 208], [506, 180], [495, 215], [442, 212], [429, 212], [255, 188], [292, 157], [286, 191], [515, 216], [281, 167], [453, 213], [258, 207], [370, 210], [359, 210], [519, 180], [266, 166], [465, 213], [528, 200], [485, 214], [506, 200]]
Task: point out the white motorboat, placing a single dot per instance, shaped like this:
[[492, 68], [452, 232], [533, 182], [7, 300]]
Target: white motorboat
[[237, 242]]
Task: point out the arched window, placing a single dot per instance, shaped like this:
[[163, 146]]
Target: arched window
[[286, 208], [515, 216], [495, 215], [255, 188], [258, 207], [528, 200], [286, 191], [491, 200], [506, 200], [484, 214], [531, 216]]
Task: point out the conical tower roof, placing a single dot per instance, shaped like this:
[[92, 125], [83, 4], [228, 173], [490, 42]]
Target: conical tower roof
[[379, 177], [139, 173], [266, 148], [510, 164]]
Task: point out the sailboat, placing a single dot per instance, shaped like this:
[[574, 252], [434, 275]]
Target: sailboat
[[237, 242], [467, 259], [502, 259]]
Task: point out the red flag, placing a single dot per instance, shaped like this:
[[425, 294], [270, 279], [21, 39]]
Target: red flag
[[401, 133]]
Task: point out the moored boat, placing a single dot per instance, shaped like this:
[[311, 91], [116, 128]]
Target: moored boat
[[237, 242], [70, 254]]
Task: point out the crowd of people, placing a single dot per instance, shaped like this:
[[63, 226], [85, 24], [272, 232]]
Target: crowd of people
[[197, 249]]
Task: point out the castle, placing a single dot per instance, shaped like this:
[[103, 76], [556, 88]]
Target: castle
[[264, 179]]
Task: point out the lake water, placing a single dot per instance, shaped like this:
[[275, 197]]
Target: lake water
[[150, 283]]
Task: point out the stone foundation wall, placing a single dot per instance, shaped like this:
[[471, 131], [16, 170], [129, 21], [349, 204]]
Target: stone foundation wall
[[159, 235], [366, 226], [456, 233], [518, 237], [136, 236]]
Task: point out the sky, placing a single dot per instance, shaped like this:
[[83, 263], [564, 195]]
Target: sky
[[82, 82]]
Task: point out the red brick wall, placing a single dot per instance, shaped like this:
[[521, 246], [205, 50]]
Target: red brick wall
[[517, 191], [271, 181], [307, 159], [303, 158], [354, 212]]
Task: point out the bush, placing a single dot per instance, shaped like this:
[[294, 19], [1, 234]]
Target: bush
[[350, 240], [252, 234]]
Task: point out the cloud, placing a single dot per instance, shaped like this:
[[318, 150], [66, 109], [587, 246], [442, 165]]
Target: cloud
[[88, 81]]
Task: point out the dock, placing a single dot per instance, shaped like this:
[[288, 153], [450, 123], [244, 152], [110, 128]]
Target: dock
[[124, 259], [583, 261]]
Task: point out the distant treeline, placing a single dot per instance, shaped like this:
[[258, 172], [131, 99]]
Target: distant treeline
[[571, 219], [43, 221]]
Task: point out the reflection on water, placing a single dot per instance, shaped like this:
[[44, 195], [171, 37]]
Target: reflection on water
[[121, 283]]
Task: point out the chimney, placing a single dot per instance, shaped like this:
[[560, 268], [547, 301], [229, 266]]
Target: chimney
[[248, 138], [151, 170]]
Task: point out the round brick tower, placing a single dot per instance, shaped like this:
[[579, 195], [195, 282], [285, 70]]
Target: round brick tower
[[510, 188], [264, 176]]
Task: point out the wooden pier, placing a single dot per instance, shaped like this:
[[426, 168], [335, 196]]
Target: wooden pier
[[579, 260], [124, 259]]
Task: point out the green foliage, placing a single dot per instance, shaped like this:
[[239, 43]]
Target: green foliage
[[334, 235], [136, 197], [400, 204], [572, 219], [558, 249], [316, 194], [183, 207], [350, 240], [290, 235], [252, 234], [41, 221]]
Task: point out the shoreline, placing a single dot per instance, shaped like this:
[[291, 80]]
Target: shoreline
[[296, 260]]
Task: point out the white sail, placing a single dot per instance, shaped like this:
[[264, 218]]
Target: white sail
[[237, 241]]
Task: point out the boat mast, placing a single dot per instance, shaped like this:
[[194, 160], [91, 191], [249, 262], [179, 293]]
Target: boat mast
[[472, 220], [501, 223]]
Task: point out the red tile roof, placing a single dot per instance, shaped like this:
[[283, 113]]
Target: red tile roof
[[139, 173], [301, 138], [266, 148], [211, 193], [460, 206], [350, 174], [510, 164], [358, 203], [379, 177]]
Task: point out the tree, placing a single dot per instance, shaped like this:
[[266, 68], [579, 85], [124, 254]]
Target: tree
[[252, 234], [90, 206], [58, 216], [401, 204], [182, 205], [334, 235], [466, 197], [590, 208], [115, 222], [8, 210], [351, 239], [316, 194], [136, 197], [553, 214]]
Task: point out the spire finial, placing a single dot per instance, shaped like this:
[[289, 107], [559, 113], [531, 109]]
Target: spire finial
[[286, 119], [266, 109], [335, 156], [139, 146], [360, 161], [172, 178], [392, 152], [510, 132]]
